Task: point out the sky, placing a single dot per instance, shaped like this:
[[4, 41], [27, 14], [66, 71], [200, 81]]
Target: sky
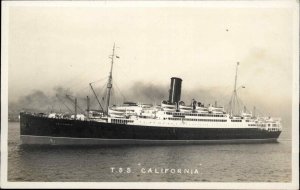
[[68, 47]]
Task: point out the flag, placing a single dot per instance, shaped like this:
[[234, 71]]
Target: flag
[[117, 57]]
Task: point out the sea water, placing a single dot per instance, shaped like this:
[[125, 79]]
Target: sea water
[[270, 162]]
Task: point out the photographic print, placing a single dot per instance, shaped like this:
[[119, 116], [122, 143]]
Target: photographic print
[[150, 94]]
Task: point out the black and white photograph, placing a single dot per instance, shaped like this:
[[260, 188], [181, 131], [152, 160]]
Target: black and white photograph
[[150, 94]]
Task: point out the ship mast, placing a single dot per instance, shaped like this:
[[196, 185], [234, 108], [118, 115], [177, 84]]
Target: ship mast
[[236, 71], [234, 99], [109, 84]]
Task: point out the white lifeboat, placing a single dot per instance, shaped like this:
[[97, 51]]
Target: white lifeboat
[[184, 108], [168, 107], [115, 112]]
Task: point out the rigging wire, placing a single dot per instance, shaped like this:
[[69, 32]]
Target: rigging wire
[[64, 104], [124, 98], [84, 75], [113, 98], [84, 88], [96, 81], [104, 94]]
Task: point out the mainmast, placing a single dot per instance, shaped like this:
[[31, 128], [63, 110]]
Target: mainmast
[[234, 98], [236, 71], [109, 84]]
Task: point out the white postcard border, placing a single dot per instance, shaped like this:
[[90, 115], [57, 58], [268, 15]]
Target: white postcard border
[[150, 185]]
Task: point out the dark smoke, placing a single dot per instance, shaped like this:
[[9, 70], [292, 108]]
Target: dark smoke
[[154, 94], [39, 101], [138, 92], [147, 93]]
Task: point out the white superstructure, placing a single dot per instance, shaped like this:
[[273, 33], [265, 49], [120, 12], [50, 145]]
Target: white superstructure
[[204, 117]]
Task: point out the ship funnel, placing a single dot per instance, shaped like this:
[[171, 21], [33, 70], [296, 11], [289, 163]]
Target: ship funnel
[[175, 90]]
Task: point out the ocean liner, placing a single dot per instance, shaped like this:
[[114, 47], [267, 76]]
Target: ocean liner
[[168, 123]]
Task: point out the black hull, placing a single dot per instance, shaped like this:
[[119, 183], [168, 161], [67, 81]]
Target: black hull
[[43, 130]]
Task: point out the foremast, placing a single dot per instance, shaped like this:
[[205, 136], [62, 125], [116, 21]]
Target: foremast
[[109, 83]]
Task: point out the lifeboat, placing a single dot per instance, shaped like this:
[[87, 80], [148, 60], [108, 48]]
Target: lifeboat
[[168, 107], [164, 105], [116, 116], [201, 109], [184, 108], [115, 112]]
